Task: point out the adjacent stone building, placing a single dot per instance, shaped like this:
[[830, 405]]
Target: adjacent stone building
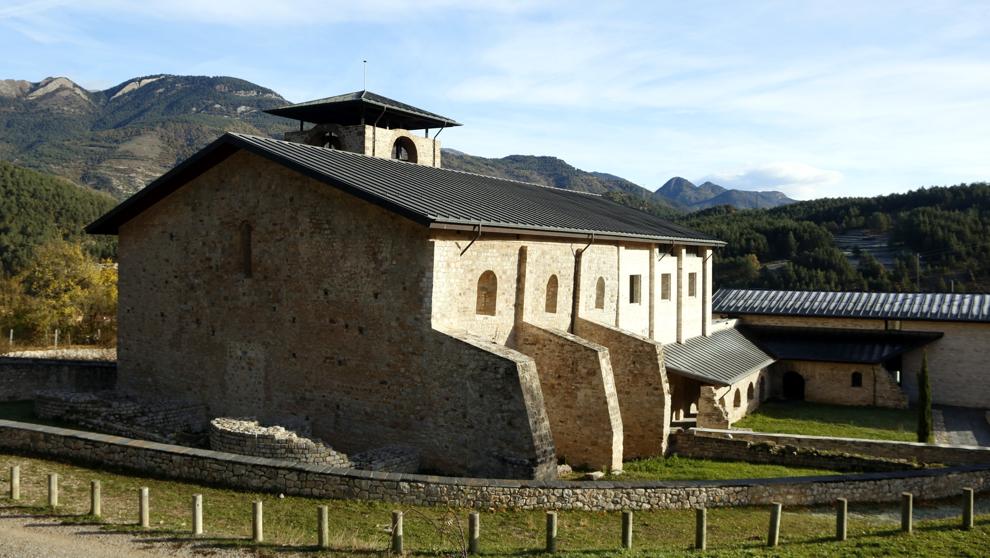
[[866, 348], [344, 279]]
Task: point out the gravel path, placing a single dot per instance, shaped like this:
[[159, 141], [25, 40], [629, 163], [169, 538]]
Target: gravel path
[[38, 537], [962, 426]]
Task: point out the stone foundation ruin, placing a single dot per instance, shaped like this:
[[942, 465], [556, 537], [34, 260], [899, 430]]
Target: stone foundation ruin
[[167, 421], [246, 436]]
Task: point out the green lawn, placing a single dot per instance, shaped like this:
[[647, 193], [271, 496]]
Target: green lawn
[[361, 528], [686, 468], [792, 417]]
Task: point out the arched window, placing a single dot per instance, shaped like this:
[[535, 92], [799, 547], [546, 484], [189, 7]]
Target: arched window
[[551, 304], [737, 399], [857, 379], [600, 293], [487, 293], [246, 249], [332, 141], [749, 392], [404, 150]]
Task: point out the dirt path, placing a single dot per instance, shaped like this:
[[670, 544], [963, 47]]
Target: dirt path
[[35, 537]]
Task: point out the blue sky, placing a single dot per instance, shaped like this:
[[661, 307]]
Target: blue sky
[[813, 98]]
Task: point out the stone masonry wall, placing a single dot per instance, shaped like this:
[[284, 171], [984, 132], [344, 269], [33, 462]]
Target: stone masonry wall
[[885, 449], [956, 361], [831, 382], [641, 386], [247, 437], [711, 409], [20, 378], [270, 475], [687, 444], [579, 393], [332, 324]]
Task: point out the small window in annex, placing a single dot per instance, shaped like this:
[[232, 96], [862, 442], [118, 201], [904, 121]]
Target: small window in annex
[[487, 293], [664, 286], [692, 284], [737, 399], [551, 303], [600, 293], [857, 379], [635, 289], [750, 392], [246, 249]]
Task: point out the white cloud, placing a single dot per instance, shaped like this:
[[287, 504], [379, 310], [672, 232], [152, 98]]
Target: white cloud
[[797, 180]]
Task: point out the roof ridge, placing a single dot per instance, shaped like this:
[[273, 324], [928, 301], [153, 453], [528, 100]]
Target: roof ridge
[[351, 153]]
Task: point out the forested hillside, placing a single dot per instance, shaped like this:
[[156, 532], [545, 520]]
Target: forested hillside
[[37, 208], [941, 238], [53, 275]]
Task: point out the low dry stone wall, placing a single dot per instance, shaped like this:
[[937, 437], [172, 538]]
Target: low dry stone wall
[[688, 444], [882, 449], [393, 459], [253, 473], [247, 437], [20, 378], [112, 412]]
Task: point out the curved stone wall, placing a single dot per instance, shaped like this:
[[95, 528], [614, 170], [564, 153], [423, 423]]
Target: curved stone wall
[[238, 471], [248, 437]]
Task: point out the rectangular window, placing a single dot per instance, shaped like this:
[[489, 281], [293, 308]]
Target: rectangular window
[[635, 288], [692, 284], [665, 286]]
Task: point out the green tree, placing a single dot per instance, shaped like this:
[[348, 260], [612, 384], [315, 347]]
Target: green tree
[[925, 434]]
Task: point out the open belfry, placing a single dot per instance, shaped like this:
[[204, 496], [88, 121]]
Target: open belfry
[[343, 279]]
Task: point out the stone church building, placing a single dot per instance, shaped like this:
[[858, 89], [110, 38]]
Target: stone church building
[[342, 277]]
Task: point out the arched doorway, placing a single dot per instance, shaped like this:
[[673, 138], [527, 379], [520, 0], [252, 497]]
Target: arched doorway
[[793, 386]]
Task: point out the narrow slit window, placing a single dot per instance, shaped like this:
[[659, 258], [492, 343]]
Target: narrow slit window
[[600, 293], [635, 289], [665, 286], [487, 293], [857, 379], [551, 303], [692, 284], [246, 255]]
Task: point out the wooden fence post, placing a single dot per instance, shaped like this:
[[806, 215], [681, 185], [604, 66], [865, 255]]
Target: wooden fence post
[[258, 522], [701, 529], [197, 513], [323, 526], [397, 546], [773, 537], [551, 532], [53, 490], [15, 482], [144, 511], [627, 528], [841, 519], [967, 514], [95, 499], [474, 532], [907, 512]]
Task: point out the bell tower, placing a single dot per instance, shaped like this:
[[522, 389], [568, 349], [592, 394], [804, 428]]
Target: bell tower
[[370, 124]]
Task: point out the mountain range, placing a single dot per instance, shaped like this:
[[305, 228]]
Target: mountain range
[[118, 139], [685, 195]]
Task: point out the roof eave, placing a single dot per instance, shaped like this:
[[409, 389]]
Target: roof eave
[[510, 228]]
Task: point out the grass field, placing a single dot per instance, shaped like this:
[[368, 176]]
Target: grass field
[[676, 467], [361, 528], [816, 419]]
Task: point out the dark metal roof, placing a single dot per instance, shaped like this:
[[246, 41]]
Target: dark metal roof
[[724, 357], [955, 307], [354, 108], [435, 197], [837, 345]]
